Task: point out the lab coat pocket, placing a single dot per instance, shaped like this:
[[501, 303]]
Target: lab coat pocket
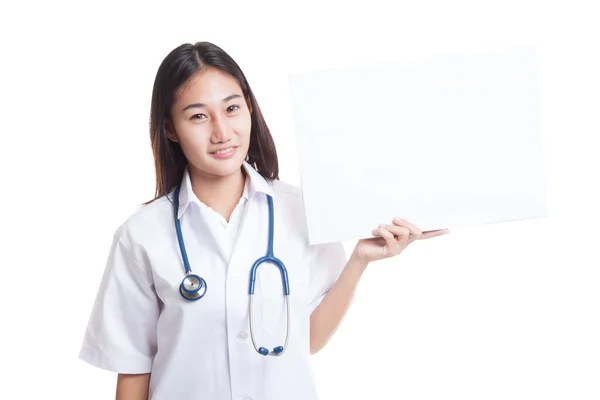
[[273, 302]]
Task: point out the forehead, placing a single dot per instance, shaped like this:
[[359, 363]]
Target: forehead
[[208, 85]]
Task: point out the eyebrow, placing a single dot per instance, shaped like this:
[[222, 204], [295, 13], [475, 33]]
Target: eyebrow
[[202, 105]]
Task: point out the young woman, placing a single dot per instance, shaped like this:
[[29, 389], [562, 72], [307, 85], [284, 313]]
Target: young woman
[[218, 205]]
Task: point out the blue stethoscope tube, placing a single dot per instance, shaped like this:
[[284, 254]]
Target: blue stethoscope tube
[[193, 287]]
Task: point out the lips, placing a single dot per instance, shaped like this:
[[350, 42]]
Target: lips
[[225, 150]]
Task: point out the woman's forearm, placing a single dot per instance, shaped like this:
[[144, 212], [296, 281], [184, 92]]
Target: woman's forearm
[[327, 316], [132, 386]]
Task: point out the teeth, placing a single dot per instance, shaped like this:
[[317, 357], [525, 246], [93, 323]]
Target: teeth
[[227, 150]]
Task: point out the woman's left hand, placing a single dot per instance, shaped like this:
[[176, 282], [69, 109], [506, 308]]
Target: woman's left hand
[[391, 240]]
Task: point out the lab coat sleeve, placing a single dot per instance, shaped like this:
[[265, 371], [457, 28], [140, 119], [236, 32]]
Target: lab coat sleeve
[[121, 332], [329, 260]]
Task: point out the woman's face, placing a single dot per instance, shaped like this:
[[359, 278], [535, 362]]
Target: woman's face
[[211, 122]]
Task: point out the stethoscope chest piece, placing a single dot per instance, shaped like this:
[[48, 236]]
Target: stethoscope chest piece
[[193, 287]]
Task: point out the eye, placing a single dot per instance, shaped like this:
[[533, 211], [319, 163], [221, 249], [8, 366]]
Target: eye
[[195, 116], [232, 108]]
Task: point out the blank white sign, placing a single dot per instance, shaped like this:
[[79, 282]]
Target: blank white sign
[[444, 142]]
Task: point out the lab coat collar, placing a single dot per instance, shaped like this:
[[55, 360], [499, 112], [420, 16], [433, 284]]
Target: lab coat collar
[[255, 183], [258, 184]]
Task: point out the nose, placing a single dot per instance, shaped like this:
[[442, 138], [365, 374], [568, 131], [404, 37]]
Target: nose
[[220, 131]]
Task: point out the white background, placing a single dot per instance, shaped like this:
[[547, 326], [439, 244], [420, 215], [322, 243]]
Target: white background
[[501, 311]]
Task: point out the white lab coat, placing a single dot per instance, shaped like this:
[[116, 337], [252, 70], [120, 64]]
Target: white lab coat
[[202, 350]]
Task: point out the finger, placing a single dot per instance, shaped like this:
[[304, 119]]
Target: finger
[[432, 234], [383, 232], [414, 230], [389, 237], [401, 233]]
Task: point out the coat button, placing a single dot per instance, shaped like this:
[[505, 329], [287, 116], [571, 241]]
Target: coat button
[[242, 336]]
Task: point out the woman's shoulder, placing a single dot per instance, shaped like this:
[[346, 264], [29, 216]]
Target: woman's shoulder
[[147, 220], [286, 189], [290, 203], [289, 195]]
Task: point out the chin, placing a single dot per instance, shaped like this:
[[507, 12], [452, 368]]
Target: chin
[[220, 168]]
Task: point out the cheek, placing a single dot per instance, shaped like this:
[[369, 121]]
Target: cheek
[[242, 128], [193, 138]]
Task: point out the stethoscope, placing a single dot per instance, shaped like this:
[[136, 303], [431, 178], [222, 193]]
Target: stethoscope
[[193, 287]]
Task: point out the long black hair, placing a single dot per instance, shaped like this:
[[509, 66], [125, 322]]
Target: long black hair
[[176, 69]]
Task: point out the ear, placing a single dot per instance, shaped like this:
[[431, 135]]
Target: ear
[[171, 132]]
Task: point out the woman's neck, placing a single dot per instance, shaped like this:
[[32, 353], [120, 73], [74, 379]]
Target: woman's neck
[[221, 194]]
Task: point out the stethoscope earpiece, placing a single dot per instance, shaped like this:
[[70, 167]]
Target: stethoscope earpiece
[[276, 351]]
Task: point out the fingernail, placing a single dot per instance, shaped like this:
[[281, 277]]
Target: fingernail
[[398, 219]]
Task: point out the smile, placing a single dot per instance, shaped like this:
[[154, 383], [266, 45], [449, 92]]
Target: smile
[[223, 151], [224, 154]]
